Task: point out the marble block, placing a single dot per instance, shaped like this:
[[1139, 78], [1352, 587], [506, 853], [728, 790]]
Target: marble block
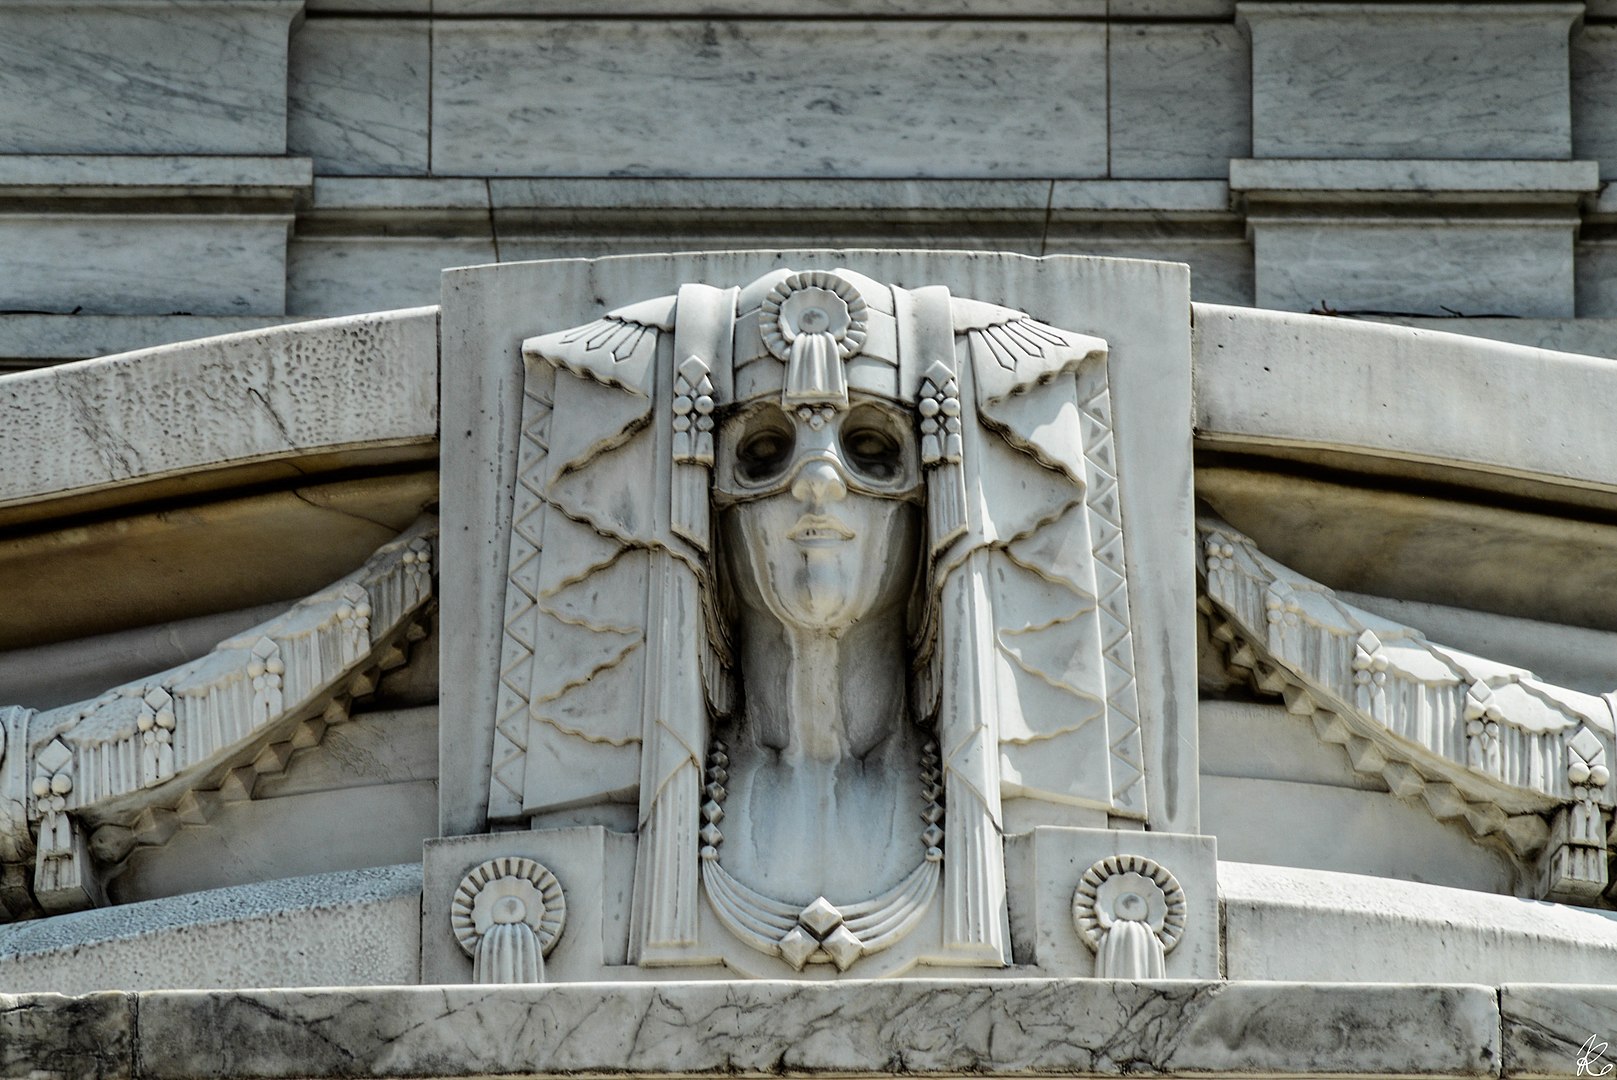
[[1044, 866], [596, 870], [339, 275], [1180, 103], [1383, 392], [840, 97], [1286, 923], [356, 928], [210, 404], [183, 77], [1037, 1027], [144, 264], [1557, 1031], [1594, 95], [1327, 78], [1475, 267], [357, 95], [51, 1037], [1596, 262], [937, 9]]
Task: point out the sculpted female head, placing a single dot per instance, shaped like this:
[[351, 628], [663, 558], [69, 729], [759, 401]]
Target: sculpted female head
[[821, 527]]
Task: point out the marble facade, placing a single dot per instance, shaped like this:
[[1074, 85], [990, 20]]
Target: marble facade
[[873, 641], [1143, 129]]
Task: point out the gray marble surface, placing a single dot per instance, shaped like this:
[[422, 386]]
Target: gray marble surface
[[358, 927], [1326, 78], [1309, 177], [88, 175], [1474, 267], [858, 9], [1594, 95], [144, 264], [50, 1037], [907, 1026], [1180, 102], [177, 77], [346, 275], [1558, 1031], [1289, 923], [1596, 262], [357, 95], [748, 98]]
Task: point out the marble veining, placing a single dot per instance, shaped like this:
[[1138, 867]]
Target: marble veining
[[1180, 102], [357, 95], [1035, 1026], [744, 98], [1329, 79], [174, 78]]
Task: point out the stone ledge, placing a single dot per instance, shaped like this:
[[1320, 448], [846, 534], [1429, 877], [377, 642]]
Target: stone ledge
[[1311, 178], [177, 175], [1033, 1027], [366, 381], [1290, 382]]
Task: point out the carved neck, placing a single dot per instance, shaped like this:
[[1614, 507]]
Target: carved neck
[[818, 698]]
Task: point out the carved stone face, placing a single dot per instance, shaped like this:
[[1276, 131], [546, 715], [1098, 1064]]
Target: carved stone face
[[822, 528]]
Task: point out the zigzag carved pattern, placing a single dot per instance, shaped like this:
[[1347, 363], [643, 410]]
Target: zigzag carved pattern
[[1111, 585], [521, 608]]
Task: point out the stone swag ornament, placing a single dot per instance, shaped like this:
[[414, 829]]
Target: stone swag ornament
[[813, 573]]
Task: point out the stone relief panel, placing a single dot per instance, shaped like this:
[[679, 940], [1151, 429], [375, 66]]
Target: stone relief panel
[[812, 573], [1518, 762]]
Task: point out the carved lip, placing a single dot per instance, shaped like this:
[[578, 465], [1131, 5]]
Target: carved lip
[[819, 530]]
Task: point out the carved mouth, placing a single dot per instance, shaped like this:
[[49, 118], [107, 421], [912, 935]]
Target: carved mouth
[[817, 530]]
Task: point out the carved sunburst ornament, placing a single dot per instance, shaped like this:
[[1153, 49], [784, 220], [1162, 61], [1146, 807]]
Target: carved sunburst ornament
[[508, 890], [813, 302], [1129, 888]]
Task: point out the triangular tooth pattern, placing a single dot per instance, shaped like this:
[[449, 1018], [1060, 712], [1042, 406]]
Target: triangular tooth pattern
[[509, 764], [1111, 584]]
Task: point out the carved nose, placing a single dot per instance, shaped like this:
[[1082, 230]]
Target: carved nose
[[818, 482]]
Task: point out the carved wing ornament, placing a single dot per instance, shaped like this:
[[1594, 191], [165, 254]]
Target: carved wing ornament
[[82, 785], [1515, 760]]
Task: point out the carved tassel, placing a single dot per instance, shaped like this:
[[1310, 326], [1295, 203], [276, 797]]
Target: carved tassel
[[693, 451], [814, 373], [941, 452], [1129, 950], [508, 953]]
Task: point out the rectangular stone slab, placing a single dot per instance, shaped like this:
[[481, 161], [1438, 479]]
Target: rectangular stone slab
[[1011, 1027]]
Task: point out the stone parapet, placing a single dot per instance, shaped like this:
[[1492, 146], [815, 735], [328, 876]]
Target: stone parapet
[[1032, 1027]]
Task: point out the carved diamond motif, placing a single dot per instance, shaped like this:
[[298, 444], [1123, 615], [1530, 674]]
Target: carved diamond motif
[[820, 916], [844, 947], [797, 946]]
